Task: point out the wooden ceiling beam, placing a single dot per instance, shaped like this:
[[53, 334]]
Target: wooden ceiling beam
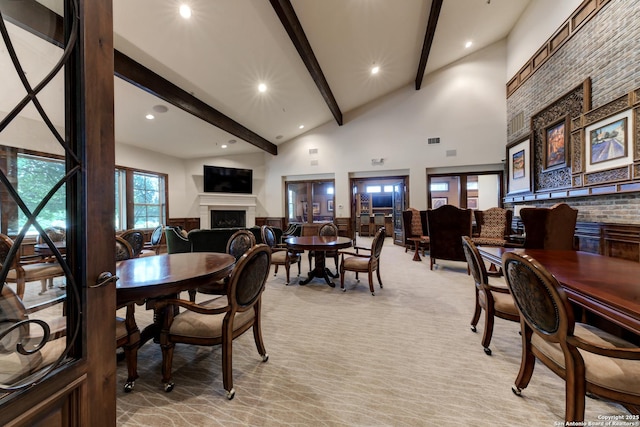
[[434, 14], [37, 19], [291, 24]]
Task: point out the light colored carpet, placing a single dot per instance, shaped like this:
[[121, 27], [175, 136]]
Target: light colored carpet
[[405, 357]]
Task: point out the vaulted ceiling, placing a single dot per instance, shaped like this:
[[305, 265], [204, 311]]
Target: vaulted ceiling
[[199, 77]]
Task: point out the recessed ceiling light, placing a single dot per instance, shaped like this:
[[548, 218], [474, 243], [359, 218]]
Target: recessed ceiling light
[[185, 11], [224, 145], [468, 44], [262, 87], [301, 127], [232, 141], [375, 70], [150, 116]]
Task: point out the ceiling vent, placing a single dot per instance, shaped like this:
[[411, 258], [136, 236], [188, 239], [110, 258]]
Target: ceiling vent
[[313, 151], [516, 124], [452, 153], [433, 141]]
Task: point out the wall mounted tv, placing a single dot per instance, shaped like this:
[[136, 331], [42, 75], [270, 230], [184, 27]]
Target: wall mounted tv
[[381, 201], [227, 180]]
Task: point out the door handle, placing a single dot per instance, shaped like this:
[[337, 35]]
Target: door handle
[[105, 278]]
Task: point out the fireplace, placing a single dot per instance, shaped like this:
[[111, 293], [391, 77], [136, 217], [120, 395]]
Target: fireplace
[[226, 219], [227, 202]]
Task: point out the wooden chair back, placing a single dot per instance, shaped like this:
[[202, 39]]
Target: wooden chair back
[[550, 228], [135, 238], [240, 242]]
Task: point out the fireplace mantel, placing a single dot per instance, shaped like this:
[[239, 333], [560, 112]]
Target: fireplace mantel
[[227, 201]]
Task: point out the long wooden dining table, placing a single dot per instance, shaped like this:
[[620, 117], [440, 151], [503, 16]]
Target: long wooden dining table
[[606, 286]]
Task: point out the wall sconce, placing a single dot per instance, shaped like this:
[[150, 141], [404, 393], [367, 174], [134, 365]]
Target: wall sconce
[[377, 162]]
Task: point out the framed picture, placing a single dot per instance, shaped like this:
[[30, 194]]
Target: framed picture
[[316, 208], [555, 144], [472, 203], [330, 205], [436, 202], [607, 143], [519, 166]]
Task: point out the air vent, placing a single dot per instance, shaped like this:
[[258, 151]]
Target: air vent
[[516, 124], [433, 141], [452, 153], [314, 162], [313, 151]]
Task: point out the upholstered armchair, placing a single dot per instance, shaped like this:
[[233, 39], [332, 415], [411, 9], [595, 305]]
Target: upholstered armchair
[[549, 228], [366, 262], [493, 226], [414, 224], [21, 272], [220, 320], [177, 242], [496, 301], [590, 360], [447, 224]]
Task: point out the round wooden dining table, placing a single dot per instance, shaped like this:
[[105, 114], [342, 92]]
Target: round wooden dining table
[[320, 245]]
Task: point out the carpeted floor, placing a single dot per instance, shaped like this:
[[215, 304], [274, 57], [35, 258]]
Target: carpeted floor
[[405, 357]]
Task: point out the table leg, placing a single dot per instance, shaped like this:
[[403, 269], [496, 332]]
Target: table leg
[[320, 270], [416, 255]]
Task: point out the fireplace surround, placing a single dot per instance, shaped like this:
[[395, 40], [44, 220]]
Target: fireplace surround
[[227, 202]]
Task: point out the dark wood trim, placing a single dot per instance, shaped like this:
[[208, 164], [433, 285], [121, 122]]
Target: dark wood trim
[[434, 14], [186, 223], [583, 13], [291, 24], [37, 19]]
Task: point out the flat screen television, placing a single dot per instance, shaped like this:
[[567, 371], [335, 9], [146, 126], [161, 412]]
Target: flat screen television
[[381, 201], [219, 179]]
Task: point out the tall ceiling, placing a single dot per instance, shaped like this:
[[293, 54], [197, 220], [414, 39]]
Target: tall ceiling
[[314, 56]]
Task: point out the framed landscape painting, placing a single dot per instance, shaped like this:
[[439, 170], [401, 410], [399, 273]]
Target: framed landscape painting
[[608, 142], [555, 145], [519, 166]]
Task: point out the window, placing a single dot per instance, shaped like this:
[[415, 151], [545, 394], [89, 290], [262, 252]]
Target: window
[[145, 192], [310, 201], [439, 186], [373, 188], [36, 176], [148, 200]]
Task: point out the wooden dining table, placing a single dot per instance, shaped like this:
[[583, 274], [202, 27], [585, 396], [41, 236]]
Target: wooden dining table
[[320, 245], [147, 279], [606, 286]]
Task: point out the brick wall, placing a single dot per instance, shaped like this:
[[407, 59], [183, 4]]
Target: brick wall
[[606, 49]]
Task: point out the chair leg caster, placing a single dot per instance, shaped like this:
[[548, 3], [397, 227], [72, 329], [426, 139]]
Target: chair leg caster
[[473, 328], [487, 351], [168, 387], [128, 386], [231, 393], [265, 357], [516, 390]]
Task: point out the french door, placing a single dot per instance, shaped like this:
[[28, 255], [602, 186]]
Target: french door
[[57, 97]]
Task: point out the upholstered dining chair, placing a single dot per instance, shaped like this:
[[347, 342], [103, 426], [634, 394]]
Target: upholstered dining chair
[[152, 247], [127, 332], [237, 245], [447, 224], [588, 359], [135, 238], [363, 262], [328, 229], [21, 272], [222, 319], [496, 301], [280, 255], [25, 346]]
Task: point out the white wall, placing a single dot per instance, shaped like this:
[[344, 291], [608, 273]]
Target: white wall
[[464, 104], [538, 22]]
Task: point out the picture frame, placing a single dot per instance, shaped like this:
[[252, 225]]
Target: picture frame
[[330, 205], [555, 152], [316, 208], [436, 202], [472, 203], [604, 151], [519, 166]]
